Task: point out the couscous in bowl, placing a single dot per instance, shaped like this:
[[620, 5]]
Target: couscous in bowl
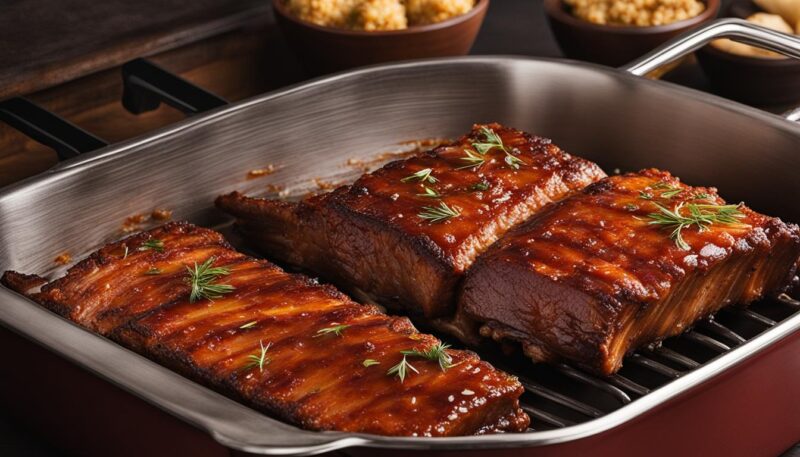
[[324, 48]]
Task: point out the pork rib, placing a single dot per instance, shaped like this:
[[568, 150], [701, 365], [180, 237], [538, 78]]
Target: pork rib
[[593, 277], [371, 237], [137, 292]]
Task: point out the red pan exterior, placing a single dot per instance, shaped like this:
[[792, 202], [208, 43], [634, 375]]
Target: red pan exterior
[[751, 410]]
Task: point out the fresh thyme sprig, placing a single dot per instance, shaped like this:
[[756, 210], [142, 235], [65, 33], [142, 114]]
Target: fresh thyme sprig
[[430, 193], [436, 353], [154, 244], [492, 140], [439, 213], [153, 271], [474, 160], [258, 359], [424, 175], [369, 362], [668, 191], [202, 278], [401, 369], [335, 329], [699, 215]]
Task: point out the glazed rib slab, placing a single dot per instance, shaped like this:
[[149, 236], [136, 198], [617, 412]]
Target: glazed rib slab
[[370, 237], [137, 293], [591, 278]]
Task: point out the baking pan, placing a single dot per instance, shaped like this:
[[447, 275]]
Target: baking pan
[[742, 401]]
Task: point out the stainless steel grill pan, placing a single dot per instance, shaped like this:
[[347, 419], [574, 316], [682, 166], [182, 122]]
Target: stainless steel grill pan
[[732, 385]]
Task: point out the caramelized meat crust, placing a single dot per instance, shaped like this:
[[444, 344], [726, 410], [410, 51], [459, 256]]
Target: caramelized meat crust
[[136, 292], [373, 237], [592, 277]]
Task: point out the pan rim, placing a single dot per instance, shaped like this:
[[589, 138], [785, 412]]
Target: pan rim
[[327, 441]]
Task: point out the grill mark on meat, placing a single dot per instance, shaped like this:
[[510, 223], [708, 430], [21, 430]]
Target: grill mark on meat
[[315, 381], [588, 281], [368, 236]]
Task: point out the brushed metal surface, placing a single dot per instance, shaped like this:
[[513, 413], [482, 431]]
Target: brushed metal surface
[[310, 131]]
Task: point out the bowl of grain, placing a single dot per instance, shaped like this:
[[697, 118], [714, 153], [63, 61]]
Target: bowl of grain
[[750, 74], [615, 32], [332, 35]]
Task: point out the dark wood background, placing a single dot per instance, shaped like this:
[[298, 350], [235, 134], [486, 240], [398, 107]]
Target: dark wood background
[[45, 43]]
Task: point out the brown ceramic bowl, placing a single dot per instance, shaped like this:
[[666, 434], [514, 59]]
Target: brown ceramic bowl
[[325, 49], [753, 80], [614, 45]]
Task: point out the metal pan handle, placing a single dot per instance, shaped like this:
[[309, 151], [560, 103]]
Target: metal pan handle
[[146, 86], [47, 128], [737, 29]]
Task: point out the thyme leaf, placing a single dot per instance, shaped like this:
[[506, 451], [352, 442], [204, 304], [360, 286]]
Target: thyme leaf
[[514, 161], [401, 370], [154, 244], [700, 216], [438, 213], [480, 186], [490, 141], [202, 279], [430, 193], [335, 329], [473, 160], [424, 175], [258, 359], [437, 353], [370, 362]]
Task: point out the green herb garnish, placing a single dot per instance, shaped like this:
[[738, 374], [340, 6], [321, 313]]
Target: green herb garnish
[[492, 140], [700, 216], [473, 160], [259, 359], [370, 362], [401, 369], [430, 193], [424, 175], [154, 244], [480, 186], [436, 353], [248, 325], [153, 271], [438, 213], [335, 329], [513, 161], [202, 278], [671, 193]]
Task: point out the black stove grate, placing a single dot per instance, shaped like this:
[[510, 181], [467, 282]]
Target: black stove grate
[[559, 396]]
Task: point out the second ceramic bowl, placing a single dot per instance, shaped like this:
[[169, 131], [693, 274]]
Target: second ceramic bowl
[[614, 45], [325, 49]]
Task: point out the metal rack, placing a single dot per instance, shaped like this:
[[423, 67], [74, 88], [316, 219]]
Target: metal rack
[[557, 404]]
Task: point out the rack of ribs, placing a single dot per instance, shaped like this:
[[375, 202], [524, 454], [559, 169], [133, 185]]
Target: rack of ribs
[[281, 343], [404, 235], [629, 261]]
